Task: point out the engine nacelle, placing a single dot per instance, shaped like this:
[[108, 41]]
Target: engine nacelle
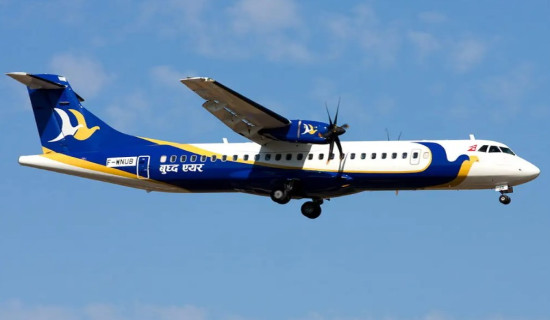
[[299, 131]]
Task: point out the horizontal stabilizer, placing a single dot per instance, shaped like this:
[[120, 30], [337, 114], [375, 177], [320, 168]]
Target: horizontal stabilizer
[[41, 81]]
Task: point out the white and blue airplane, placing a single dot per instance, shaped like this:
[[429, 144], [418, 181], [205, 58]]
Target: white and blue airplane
[[287, 159]]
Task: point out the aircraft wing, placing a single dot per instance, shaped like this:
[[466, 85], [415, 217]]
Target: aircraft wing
[[239, 113]]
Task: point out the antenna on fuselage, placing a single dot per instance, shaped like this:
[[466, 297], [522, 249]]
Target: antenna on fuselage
[[388, 135]]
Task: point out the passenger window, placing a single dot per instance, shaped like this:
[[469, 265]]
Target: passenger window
[[183, 158], [352, 156], [173, 158], [213, 158], [363, 156], [494, 149], [331, 156], [483, 148], [277, 157], [310, 156], [289, 156], [384, 155], [257, 157], [235, 157], [193, 158], [394, 155], [267, 156], [415, 155], [203, 158], [404, 156], [245, 158], [373, 156], [162, 159], [321, 156], [300, 156], [224, 158]]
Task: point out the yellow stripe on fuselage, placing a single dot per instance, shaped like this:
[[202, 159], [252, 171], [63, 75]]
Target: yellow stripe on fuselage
[[85, 164], [462, 174]]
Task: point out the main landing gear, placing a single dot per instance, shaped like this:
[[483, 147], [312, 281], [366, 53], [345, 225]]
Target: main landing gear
[[312, 209], [504, 198], [283, 194]]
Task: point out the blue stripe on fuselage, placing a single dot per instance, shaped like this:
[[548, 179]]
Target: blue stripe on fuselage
[[230, 176]]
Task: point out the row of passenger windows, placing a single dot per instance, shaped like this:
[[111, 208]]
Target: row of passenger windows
[[289, 157], [494, 149]]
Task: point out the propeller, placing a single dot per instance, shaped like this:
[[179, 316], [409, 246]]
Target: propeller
[[334, 131]]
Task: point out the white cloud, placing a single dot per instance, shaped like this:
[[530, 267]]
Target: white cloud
[[467, 53], [424, 42], [507, 93], [16, 310], [511, 86], [126, 110], [168, 76], [86, 75], [264, 16], [272, 29], [432, 17], [379, 42]]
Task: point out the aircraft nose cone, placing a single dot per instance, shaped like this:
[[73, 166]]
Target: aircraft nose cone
[[530, 171]]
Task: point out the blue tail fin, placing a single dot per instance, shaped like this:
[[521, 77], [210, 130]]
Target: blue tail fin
[[64, 125]]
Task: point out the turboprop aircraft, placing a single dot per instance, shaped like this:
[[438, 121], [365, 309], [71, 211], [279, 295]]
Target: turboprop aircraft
[[286, 159]]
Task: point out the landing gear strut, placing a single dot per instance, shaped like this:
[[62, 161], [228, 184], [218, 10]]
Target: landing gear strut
[[312, 209]]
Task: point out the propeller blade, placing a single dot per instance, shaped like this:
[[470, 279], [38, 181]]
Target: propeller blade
[[330, 149], [339, 146], [329, 118], [337, 110], [345, 126]]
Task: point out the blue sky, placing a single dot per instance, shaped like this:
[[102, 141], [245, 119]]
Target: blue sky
[[73, 249]]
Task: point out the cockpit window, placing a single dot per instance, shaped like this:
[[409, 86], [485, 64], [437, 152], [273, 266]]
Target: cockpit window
[[494, 149], [507, 150], [483, 148]]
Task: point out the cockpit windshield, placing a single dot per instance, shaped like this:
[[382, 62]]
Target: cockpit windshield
[[495, 149], [507, 150]]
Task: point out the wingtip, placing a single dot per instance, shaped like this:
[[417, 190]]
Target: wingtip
[[188, 79]]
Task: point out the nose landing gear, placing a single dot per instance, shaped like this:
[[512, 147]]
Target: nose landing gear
[[504, 198]]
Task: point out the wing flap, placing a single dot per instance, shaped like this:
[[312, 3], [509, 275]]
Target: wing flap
[[239, 113]]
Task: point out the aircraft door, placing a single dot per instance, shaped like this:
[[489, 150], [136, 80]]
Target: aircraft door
[[415, 156], [143, 167]]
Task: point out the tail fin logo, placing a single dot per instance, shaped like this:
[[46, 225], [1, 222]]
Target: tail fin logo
[[80, 131]]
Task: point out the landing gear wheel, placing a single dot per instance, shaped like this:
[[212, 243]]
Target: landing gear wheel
[[280, 196], [311, 209], [504, 199]]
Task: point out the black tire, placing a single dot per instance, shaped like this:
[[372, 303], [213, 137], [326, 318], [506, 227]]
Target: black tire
[[280, 196], [311, 210], [504, 199]]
